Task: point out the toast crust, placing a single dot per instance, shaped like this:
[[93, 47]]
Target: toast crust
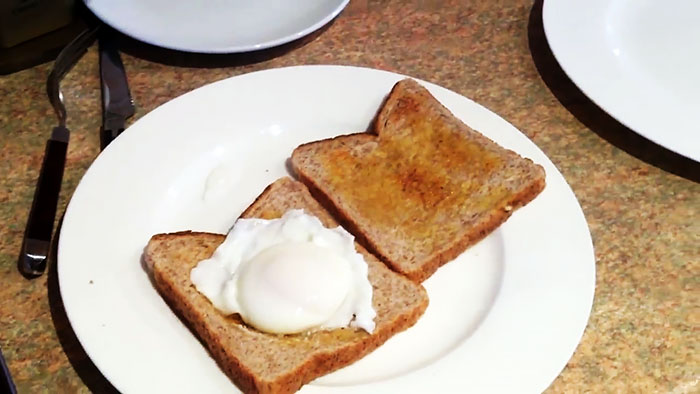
[[268, 363], [420, 189]]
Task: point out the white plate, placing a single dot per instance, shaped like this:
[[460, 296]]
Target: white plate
[[503, 317], [216, 26], [637, 59]]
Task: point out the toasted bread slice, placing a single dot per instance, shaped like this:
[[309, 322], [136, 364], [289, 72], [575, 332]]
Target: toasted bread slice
[[267, 363], [421, 188]]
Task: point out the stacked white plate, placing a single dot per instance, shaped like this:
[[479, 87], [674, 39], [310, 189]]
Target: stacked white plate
[[216, 26], [639, 60]]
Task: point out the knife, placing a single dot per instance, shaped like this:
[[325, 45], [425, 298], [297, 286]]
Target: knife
[[6, 383], [117, 104]]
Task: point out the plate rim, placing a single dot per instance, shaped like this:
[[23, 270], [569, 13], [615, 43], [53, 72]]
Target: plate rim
[[577, 210]]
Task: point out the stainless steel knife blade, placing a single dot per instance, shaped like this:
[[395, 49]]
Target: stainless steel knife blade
[[117, 104]]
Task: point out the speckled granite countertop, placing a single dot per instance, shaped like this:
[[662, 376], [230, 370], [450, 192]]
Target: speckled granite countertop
[[641, 201]]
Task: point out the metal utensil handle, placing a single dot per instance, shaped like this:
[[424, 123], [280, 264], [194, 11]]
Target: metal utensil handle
[[37, 236], [6, 383], [107, 136]]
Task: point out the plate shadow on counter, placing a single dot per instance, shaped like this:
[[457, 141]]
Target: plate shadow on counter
[[176, 58], [83, 366], [592, 116]]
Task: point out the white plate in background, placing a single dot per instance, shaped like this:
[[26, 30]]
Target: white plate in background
[[637, 59], [216, 26], [505, 316]]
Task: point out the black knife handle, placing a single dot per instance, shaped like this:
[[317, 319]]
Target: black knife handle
[[107, 136], [37, 235], [6, 383]]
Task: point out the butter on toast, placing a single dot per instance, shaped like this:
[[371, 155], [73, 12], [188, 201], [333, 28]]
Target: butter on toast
[[268, 363], [421, 186]]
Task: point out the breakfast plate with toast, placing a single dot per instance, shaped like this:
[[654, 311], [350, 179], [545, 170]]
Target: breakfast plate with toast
[[474, 249], [216, 26]]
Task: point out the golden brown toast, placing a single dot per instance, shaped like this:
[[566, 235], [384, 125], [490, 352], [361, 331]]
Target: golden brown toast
[[420, 188], [268, 363]]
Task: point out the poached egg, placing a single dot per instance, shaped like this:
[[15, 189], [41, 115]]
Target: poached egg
[[288, 275]]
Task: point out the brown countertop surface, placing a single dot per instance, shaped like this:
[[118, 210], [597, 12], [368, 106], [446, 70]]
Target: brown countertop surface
[[640, 200]]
